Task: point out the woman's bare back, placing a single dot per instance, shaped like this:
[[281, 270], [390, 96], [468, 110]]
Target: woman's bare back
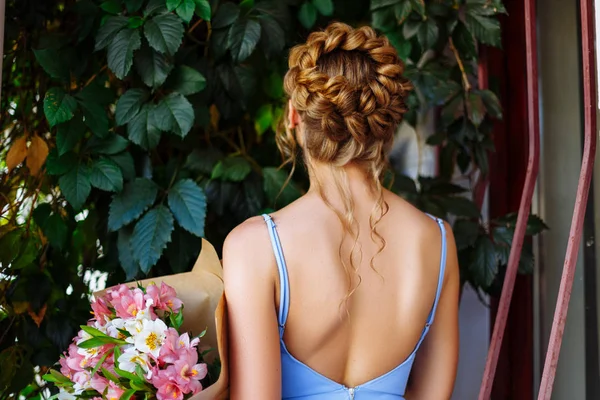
[[387, 312]]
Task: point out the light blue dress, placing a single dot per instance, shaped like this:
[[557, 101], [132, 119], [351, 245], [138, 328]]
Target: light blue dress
[[301, 382]]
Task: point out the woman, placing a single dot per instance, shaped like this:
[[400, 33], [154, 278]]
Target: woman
[[334, 296]]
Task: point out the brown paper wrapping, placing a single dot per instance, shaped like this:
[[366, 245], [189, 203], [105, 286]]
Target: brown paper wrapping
[[201, 291]]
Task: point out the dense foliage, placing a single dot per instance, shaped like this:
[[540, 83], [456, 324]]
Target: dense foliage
[[131, 128]]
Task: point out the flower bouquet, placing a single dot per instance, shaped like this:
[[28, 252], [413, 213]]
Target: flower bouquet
[[136, 346]]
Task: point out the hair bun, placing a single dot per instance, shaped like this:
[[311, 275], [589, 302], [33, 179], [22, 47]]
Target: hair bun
[[347, 84]]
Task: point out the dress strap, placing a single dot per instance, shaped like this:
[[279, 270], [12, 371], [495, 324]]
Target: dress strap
[[284, 290], [438, 292], [442, 271]]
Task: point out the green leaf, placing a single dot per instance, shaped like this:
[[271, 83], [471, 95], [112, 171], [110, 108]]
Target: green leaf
[[58, 165], [276, 189], [485, 29], [465, 233], [111, 6], [150, 236], [93, 332], [109, 375], [244, 35], [384, 19], [75, 186], [69, 134], [464, 41], [418, 6], [234, 169], [203, 9], [120, 51], [377, 4], [129, 105], [227, 14], [173, 4], [96, 93], [491, 102], [459, 206], [273, 86], [126, 260], [125, 161], [175, 114], [155, 7], [129, 204], [52, 63], [152, 66], [56, 377], [95, 118], [56, 230], [188, 204], [307, 15], [402, 11], [484, 264], [58, 106], [176, 320], [476, 108], [112, 144], [135, 22], [143, 129], [106, 175], [133, 5], [203, 160], [99, 341], [109, 30], [411, 27], [187, 80], [402, 45], [325, 7], [428, 34], [272, 38], [264, 119], [535, 225], [164, 33], [186, 9]]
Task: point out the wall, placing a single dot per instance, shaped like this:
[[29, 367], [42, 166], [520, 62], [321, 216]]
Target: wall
[[561, 131]]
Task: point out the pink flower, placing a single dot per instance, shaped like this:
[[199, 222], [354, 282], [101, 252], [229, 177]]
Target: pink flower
[[129, 303], [99, 383], [64, 367], [101, 310], [189, 373], [74, 360], [114, 392], [176, 347], [164, 298], [166, 383]]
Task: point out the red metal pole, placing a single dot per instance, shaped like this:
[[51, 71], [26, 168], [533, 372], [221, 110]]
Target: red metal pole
[[525, 205], [585, 177]]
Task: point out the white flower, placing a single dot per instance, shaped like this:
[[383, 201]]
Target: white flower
[[64, 395], [131, 357], [145, 313], [151, 338], [83, 381]]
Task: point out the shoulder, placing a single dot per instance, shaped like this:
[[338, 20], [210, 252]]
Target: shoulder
[[246, 251]]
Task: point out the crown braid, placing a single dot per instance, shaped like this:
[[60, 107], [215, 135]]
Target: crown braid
[[366, 110]]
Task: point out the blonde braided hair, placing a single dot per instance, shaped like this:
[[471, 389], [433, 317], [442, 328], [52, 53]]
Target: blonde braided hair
[[348, 88]]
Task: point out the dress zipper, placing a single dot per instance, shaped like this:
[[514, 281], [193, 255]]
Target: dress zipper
[[351, 393]]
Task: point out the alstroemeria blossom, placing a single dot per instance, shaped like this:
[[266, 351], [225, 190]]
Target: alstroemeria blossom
[[132, 348], [151, 338], [164, 298]]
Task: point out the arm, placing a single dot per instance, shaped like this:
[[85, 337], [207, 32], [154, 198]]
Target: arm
[[249, 274], [435, 366]]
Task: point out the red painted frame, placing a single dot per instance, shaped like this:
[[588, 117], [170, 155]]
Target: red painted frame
[[507, 67]]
